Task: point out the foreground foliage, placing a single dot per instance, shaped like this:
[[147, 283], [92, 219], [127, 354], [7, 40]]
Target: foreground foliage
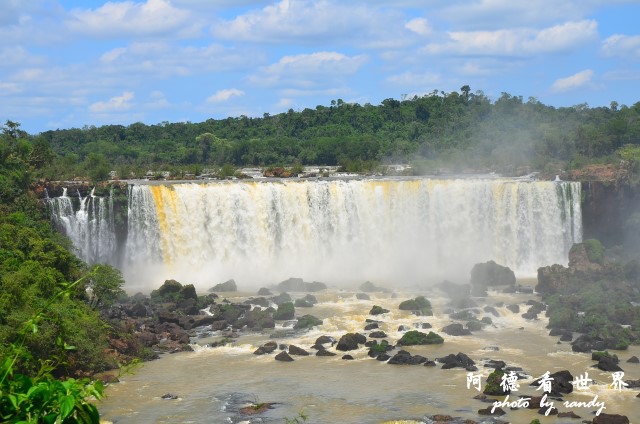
[[42, 398]]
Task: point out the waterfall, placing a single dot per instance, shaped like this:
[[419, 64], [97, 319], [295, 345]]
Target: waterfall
[[89, 225], [398, 231]]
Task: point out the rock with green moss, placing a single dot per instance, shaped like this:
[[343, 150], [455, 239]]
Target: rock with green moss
[[420, 306], [415, 337], [377, 310], [493, 386], [285, 311], [227, 286], [307, 321]]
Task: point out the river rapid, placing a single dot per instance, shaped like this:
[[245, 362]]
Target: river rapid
[[212, 384]]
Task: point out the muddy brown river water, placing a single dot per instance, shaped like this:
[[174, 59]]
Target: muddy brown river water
[[213, 383]]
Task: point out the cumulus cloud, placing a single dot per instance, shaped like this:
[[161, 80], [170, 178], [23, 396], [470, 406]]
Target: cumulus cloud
[[317, 22], [573, 82], [419, 25], [225, 95], [624, 46], [517, 42], [128, 18], [114, 104], [494, 14], [414, 79], [309, 70], [162, 59]]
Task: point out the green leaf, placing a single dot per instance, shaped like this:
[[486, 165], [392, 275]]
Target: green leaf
[[66, 406], [69, 347], [14, 401]]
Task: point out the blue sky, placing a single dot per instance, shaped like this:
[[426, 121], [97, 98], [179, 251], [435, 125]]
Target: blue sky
[[71, 63]]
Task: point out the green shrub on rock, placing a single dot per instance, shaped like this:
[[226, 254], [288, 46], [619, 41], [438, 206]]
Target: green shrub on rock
[[285, 311], [415, 337]]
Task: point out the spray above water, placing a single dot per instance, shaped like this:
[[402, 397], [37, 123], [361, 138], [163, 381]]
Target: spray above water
[[397, 232]]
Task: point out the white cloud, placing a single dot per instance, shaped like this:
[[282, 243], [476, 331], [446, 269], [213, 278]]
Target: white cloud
[[283, 103], [128, 18], [624, 46], [517, 42], [419, 25], [114, 104], [225, 95], [573, 82], [414, 80], [162, 60], [309, 70], [317, 22], [18, 56]]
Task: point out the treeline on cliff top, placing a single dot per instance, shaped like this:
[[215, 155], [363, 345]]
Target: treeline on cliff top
[[457, 131]]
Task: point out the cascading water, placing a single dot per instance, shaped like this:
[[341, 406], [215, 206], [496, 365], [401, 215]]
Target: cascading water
[[89, 225], [387, 230]]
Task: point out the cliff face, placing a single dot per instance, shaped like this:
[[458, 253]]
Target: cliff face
[[607, 212]]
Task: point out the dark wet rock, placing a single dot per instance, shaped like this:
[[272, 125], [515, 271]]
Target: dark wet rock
[[423, 325], [548, 410], [562, 383], [490, 274], [310, 299], [297, 285], [378, 335], [491, 348], [464, 315], [369, 287], [491, 363], [363, 296], [350, 341], [405, 358], [283, 356], [285, 311], [219, 325], [610, 419], [456, 330], [474, 325], [534, 310], [371, 326], [256, 319], [169, 396], [608, 364], [264, 292], [632, 384], [497, 412], [137, 310], [514, 308], [228, 312], [281, 298], [567, 337], [377, 310], [491, 310], [383, 357], [227, 286], [459, 360], [414, 337], [325, 339], [295, 350], [569, 414], [307, 321], [347, 357], [260, 301], [268, 347], [403, 328], [189, 322], [633, 360], [586, 344], [429, 363], [324, 352]]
